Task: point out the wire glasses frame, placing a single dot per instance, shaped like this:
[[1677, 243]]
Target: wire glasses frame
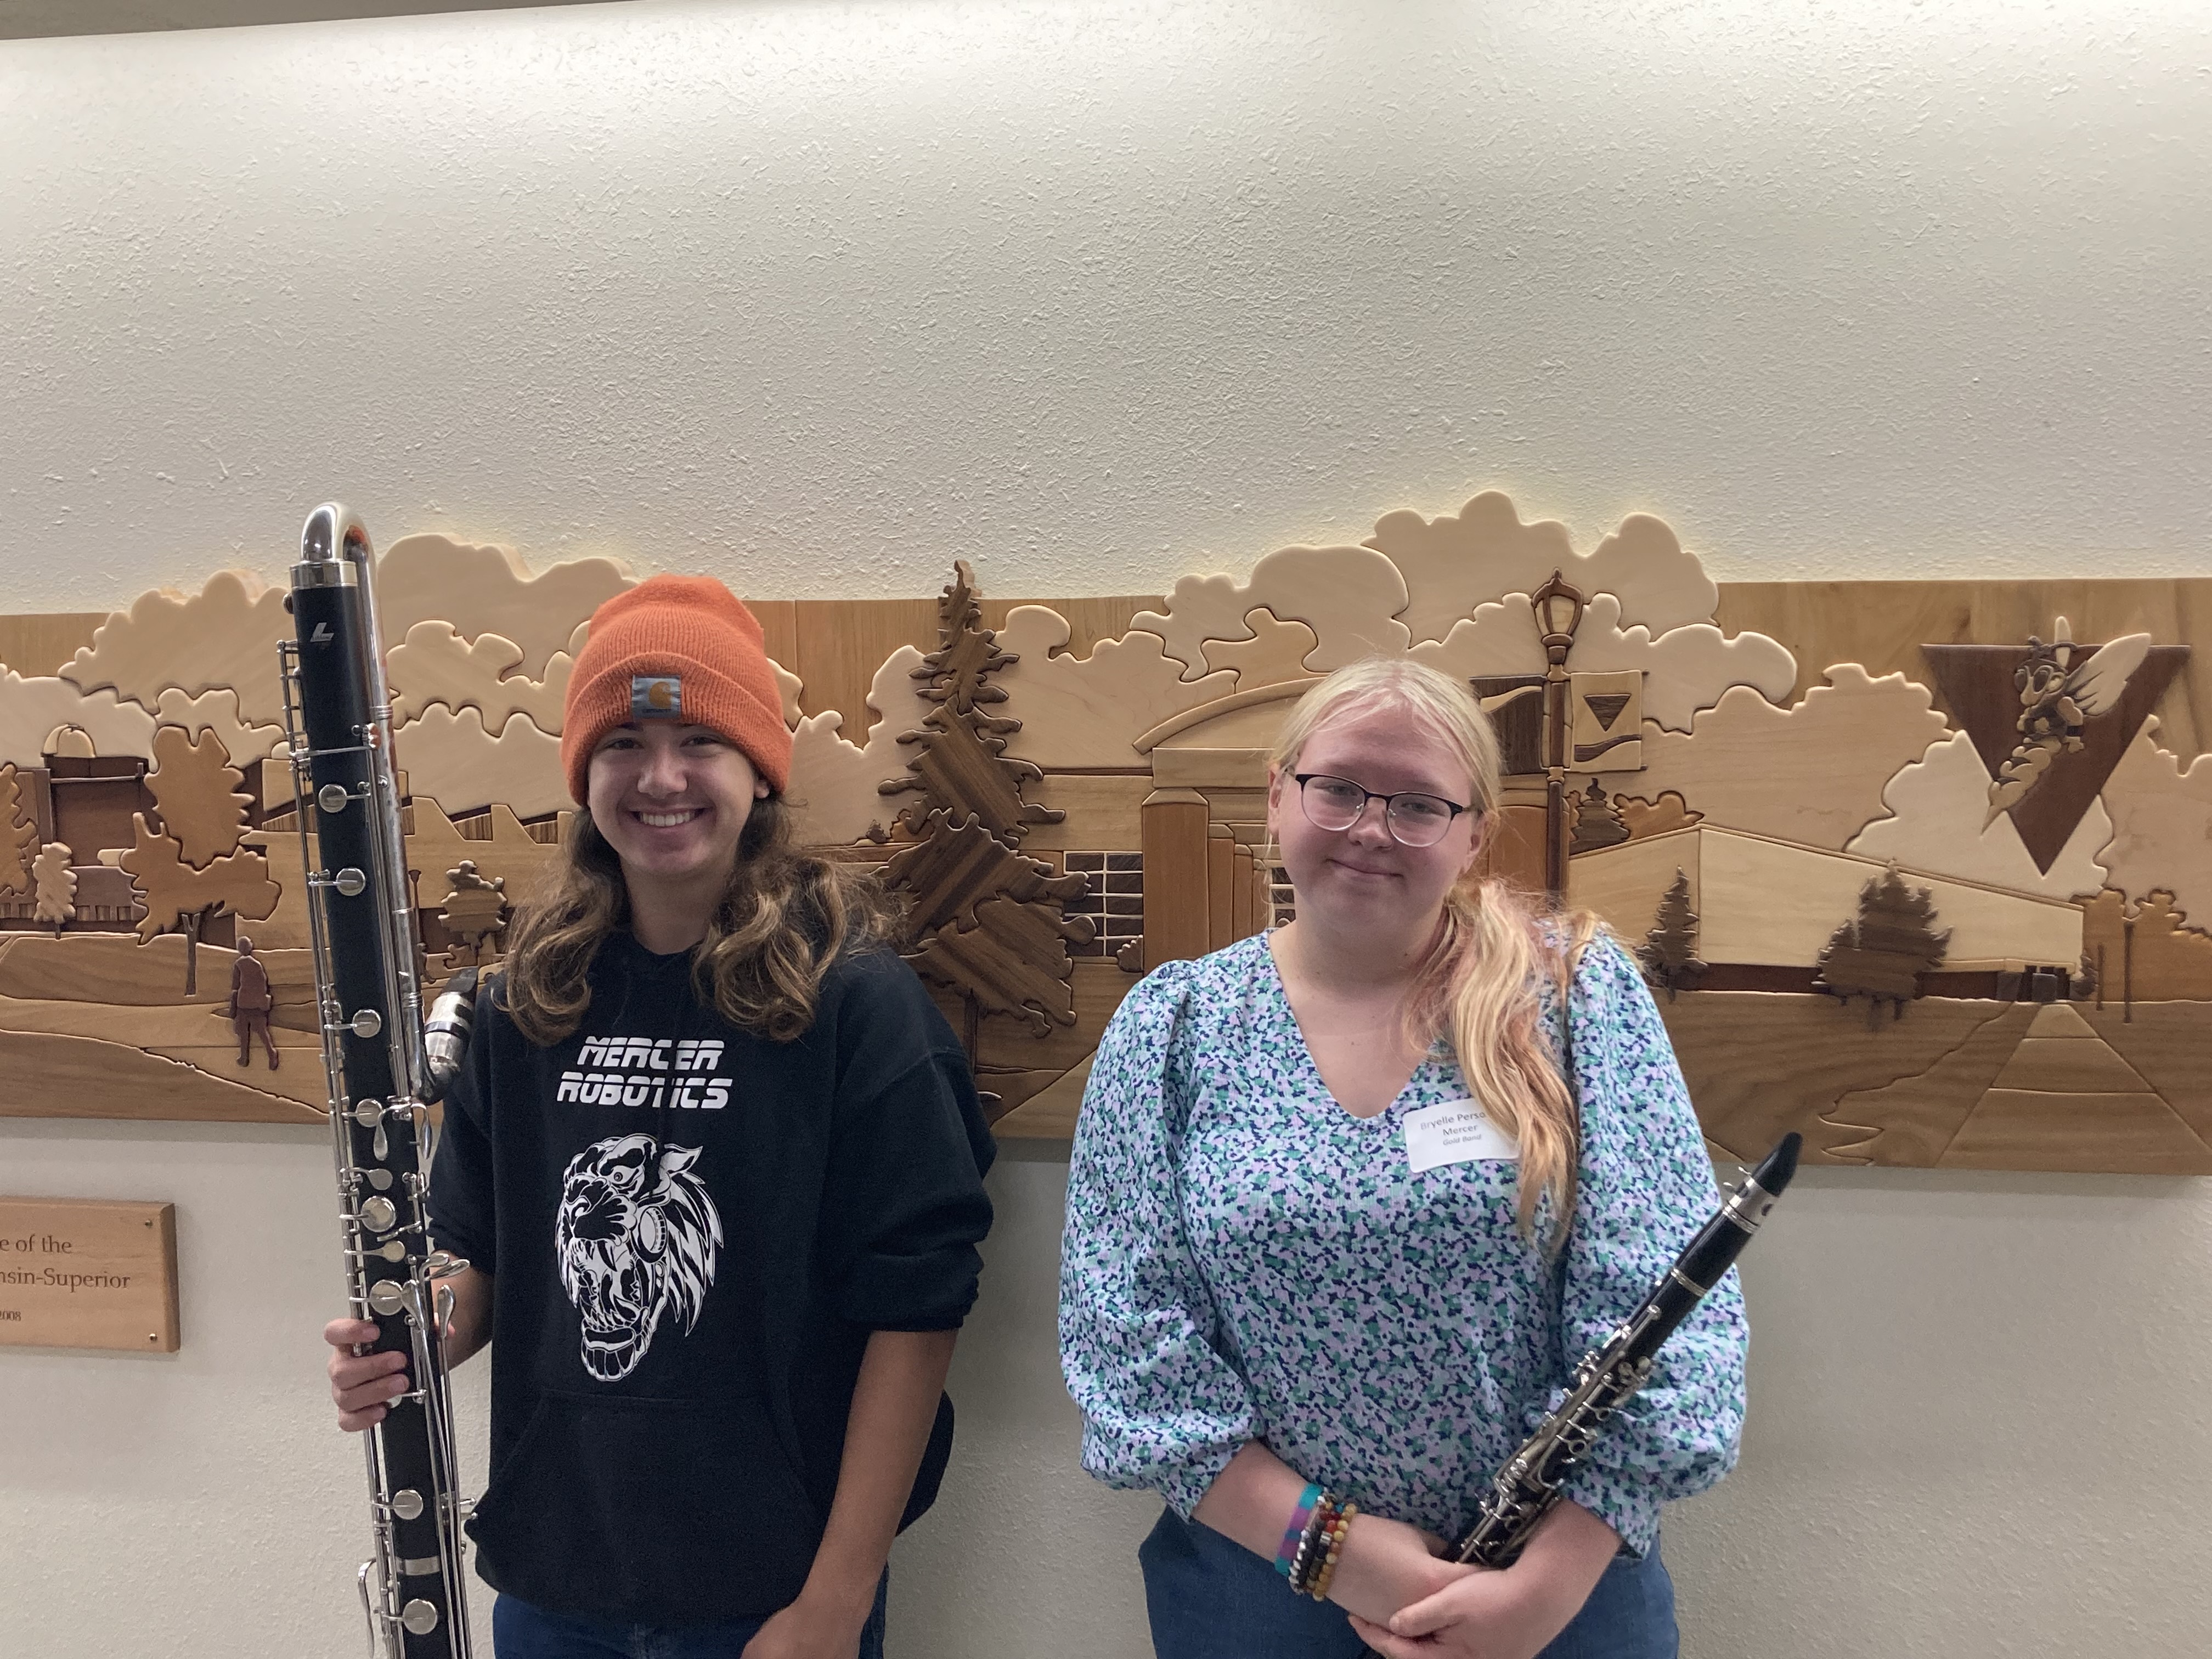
[[1413, 817]]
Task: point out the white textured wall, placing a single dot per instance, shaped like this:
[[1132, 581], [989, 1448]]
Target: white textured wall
[[820, 297]]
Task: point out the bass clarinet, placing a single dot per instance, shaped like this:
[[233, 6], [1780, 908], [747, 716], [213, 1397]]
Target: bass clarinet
[[1612, 1373], [384, 1071]]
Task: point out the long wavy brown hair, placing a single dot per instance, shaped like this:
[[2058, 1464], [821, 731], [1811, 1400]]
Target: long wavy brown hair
[[784, 918]]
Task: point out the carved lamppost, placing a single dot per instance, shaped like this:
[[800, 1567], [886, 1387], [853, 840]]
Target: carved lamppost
[[1558, 607]]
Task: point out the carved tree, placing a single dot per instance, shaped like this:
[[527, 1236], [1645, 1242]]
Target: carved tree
[[1881, 952], [199, 794], [1598, 822], [988, 922], [1669, 951], [983, 919], [183, 900], [56, 886], [19, 832], [194, 871], [960, 765]]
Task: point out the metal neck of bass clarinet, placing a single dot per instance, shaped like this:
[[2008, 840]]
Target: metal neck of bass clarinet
[[337, 719]]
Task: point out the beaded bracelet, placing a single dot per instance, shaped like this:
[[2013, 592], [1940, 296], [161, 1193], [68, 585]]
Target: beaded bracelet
[[1332, 1547], [1286, 1555], [1301, 1561], [1315, 1544]]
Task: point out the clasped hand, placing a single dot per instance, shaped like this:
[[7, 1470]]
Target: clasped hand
[[1446, 1610]]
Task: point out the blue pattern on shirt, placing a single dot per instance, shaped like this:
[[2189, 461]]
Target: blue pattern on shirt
[[1245, 1260]]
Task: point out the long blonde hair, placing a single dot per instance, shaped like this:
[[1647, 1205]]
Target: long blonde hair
[[784, 918], [1477, 989]]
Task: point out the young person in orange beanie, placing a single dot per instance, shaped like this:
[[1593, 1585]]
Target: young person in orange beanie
[[717, 1163]]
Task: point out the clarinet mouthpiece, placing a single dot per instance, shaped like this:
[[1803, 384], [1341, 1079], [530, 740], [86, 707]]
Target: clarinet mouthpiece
[[1776, 1169]]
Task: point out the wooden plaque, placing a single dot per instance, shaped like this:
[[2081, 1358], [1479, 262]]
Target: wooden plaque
[[84, 1273]]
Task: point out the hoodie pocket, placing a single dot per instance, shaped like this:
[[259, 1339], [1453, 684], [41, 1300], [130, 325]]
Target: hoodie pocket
[[663, 1509]]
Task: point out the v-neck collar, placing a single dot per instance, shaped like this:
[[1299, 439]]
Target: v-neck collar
[[1327, 1097]]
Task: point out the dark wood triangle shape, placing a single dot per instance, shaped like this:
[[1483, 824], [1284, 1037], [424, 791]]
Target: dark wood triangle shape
[[1976, 681], [1607, 705]]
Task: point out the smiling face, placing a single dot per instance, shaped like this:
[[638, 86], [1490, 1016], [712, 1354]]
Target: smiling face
[[1364, 877], [672, 800]]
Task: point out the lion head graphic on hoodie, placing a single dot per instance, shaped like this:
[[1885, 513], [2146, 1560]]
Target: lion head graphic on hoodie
[[636, 1238]]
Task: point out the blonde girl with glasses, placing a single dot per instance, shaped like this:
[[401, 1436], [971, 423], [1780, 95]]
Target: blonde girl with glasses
[[1349, 1198]]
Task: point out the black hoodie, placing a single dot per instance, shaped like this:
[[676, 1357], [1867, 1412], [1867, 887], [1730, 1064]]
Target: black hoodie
[[690, 1233]]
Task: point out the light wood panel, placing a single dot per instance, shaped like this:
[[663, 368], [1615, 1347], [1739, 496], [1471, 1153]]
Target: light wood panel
[[40, 643], [1104, 812], [43, 1074], [1882, 625], [835, 646], [1759, 1064]]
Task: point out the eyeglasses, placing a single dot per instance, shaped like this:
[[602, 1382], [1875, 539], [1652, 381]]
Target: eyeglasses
[[1414, 820]]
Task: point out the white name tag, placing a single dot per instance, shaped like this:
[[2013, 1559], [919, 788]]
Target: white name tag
[[1454, 1132]]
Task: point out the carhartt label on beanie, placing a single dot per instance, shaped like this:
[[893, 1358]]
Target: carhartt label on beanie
[[676, 647]]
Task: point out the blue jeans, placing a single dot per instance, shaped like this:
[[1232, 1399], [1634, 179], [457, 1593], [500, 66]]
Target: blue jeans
[[522, 1630], [1213, 1599]]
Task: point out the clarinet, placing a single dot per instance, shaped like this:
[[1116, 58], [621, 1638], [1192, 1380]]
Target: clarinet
[[1612, 1373], [384, 1071]]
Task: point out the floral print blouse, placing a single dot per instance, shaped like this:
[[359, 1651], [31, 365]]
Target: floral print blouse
[[1245, 1260]]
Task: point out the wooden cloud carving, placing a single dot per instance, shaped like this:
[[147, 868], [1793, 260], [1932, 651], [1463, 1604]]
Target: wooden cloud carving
[[2162, 817], [1451, 564], [1349, 596], [1081, 712], [1812, 773], [1687, 668], [478, 590], [226, 635], [1938, 821], [31, 708]]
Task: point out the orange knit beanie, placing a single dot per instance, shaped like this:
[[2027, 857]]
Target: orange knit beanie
[[677, 648]]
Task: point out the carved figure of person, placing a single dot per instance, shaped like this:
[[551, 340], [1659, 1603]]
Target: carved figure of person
[[250, 1003]]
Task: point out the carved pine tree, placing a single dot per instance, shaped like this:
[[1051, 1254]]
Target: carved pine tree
[[1598, 822], [19, 832], [983, 919], [989, 922], [960, 765], [1881, 952], [1669, 951]]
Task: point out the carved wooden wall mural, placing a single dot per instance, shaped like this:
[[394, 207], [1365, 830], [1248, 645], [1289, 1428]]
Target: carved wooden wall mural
[[1923, 870]]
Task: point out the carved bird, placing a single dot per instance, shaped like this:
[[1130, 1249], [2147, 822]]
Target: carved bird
[[2058, 695]]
